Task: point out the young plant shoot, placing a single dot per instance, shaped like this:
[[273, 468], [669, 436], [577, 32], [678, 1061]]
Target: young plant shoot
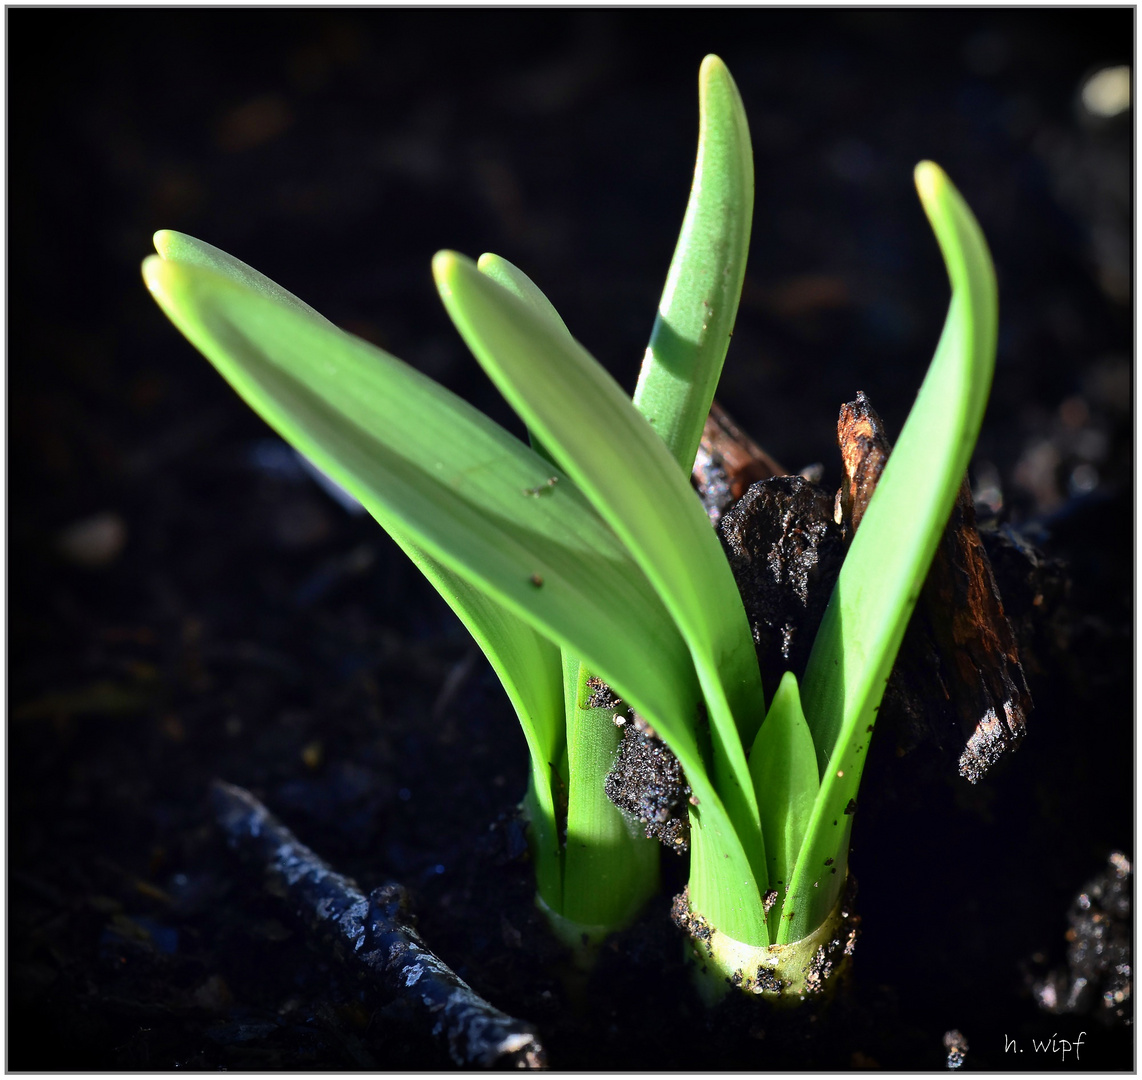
[[584, 564]]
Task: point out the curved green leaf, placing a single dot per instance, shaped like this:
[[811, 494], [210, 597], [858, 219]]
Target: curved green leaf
[[609, 868], [722, 883], [888, 560], [699, 303]]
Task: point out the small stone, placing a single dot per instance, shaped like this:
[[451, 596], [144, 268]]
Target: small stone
[[93, 541]]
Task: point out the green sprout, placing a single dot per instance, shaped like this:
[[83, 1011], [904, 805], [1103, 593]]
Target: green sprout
[[587, 558]]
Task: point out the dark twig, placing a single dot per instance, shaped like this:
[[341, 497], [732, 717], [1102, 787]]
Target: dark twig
[[374, 934]]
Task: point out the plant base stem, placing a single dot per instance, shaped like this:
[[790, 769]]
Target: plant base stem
[[784, 974], [581, 939]]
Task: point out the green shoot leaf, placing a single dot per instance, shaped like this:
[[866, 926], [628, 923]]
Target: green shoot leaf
[[888, 560], [437, 470], [783, 764], [696, 314]]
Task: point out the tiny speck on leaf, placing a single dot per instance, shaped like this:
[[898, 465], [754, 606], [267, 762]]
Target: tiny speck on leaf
[[541, 489], [851, 808], [536, 580]]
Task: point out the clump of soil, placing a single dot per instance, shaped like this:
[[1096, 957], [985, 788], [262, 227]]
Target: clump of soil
[[785, 551], [957, 1047], [602, 696], [647, 782], [689, 920], [1097, 979]]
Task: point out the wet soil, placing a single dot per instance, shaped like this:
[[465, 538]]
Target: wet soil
[[186, 604]]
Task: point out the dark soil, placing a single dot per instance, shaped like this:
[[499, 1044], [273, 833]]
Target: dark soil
[[186, 604]]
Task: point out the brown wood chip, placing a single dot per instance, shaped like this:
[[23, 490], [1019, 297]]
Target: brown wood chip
[[728, 461]]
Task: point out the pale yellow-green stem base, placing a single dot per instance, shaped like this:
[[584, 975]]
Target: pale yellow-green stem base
[[785, 974], [581, 939]]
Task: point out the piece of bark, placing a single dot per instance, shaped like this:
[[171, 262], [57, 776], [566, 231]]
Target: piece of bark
[[864, 452], [728, 461], [959, 656], [374, 934]]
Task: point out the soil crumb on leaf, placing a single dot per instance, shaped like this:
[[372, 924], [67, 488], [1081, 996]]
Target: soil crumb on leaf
[[647, 782], [602, 696], [690, 921], [830, 959]]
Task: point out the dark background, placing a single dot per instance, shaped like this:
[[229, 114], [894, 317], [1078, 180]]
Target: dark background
[[185, 604]]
